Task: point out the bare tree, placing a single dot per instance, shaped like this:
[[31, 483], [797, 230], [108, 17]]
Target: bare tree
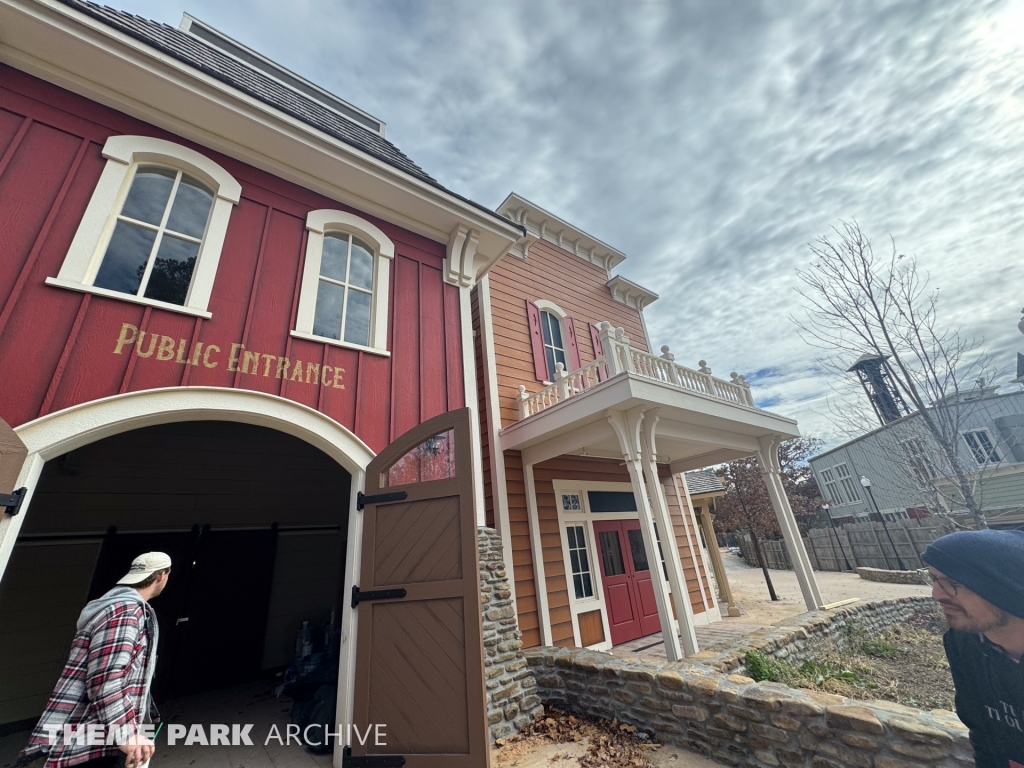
[[862, 304]]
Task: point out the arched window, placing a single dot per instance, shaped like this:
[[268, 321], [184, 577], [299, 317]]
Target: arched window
[[154, 227], [344, 298], [553, 336], [554, 346]]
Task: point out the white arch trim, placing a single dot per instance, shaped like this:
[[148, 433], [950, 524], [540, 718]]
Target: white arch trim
[[549, 306], [71, 428], [145, 149]]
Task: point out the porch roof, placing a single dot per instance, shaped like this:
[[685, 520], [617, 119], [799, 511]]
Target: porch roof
[[694, 429]]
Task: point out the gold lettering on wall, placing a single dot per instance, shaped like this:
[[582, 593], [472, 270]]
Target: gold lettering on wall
[[178, 352]]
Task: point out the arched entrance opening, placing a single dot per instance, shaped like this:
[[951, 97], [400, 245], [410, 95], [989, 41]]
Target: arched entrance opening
[[255, 521]]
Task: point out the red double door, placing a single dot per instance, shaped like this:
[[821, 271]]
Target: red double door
[[626, 573]]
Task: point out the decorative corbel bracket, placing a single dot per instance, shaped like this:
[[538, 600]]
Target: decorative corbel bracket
[[460, 256]]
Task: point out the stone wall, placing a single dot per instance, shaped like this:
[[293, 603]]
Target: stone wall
[[807, 635], [893, 577], [512, 699], [704, 703]]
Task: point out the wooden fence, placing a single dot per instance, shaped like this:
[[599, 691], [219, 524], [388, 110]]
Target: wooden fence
[[859, 544]]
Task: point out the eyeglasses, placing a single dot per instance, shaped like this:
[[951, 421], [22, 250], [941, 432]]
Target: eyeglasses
[[948, 586]]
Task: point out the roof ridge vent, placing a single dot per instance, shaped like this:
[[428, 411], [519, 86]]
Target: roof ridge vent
[[285, 77]]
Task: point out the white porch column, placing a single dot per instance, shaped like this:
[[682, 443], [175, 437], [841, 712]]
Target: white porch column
[[627, 427], [540, 581], [669, 547], [768, 458]]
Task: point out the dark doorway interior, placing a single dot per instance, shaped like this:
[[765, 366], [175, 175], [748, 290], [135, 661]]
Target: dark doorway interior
[[254, 521]]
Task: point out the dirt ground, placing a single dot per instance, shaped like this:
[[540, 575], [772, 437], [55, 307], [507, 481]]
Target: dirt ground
[[565, 740], [906, 665], [750, 592]]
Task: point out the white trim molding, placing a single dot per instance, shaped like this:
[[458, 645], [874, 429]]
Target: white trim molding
[[543, 225], [124, 154], [629, 293], [318, 223]]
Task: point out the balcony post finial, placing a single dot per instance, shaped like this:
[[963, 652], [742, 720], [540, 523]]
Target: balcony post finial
[[523, 398], [562, 380]]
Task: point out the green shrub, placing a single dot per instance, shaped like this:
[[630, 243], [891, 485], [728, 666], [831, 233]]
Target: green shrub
[[761, 667], [878, 647]]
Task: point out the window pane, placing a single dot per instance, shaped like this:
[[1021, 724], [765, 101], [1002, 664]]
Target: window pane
[[560, 358], [588, 585], [611, 553], [574, 558], [191, 208], [571, 534], [612, 501], [357, 319], [124, 263], [172, 270], [329, 301], [433, 459], [147, 198], [584, 560], [361, 273], [545, 324], [577, 582], [636, 548], [551, 363], [556, 331], [334, 258]]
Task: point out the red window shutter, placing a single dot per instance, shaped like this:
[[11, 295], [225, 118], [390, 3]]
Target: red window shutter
[[595, 337], [571, 346], [540, 363]]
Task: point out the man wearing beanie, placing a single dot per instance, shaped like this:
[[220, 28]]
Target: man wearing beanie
[[978, 579]]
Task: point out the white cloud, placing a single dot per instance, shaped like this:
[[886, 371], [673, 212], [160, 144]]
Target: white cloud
[[709, 141]]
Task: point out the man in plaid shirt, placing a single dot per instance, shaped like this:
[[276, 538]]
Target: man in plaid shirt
[[103, 694]]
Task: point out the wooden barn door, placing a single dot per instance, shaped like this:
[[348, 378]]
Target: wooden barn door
[[419, 658]]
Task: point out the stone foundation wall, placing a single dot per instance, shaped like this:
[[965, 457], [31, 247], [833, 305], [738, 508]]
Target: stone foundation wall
[[892, 577], [736, 721], [809, 634], [705, 704], [512, 699]]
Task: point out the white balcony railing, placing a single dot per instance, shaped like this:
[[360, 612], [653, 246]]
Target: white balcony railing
[[620, 357]]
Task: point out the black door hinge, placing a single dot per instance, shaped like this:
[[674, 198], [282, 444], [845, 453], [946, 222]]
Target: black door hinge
[[348, 760], [11, 502], [379, 594], [362, 499]]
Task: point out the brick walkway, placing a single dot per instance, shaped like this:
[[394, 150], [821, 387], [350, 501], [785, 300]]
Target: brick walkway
[[653, 647]]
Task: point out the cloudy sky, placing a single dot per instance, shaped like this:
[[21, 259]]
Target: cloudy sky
[[709, 141]]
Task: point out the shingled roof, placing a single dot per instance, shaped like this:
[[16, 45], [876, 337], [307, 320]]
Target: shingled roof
[[703, 481], [190, 50]]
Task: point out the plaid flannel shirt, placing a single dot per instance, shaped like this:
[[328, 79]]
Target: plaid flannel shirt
[[102, 683]]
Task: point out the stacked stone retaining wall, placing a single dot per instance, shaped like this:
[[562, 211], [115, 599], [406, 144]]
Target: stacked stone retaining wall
[[705, 705], [512, 698], [893, 577]]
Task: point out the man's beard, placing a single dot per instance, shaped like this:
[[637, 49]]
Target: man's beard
[[960, 620]]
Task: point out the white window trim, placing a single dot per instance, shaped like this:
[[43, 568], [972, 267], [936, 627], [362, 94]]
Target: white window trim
[[124, 154], [993, 443], [549, 306], [586, 518], [326, 220], [848, 488]]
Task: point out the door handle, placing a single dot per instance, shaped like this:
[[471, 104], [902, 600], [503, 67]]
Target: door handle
[[179, 621]]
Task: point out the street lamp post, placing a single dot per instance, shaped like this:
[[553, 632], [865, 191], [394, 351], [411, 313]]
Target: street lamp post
[[867, 484], [833, 524]]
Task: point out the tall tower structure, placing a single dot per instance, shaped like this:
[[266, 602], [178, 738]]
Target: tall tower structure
[[882, 391]]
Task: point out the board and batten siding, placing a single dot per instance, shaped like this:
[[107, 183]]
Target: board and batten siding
[[57, 346]]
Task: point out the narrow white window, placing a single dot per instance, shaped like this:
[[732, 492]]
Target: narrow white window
[[832, 493], [849, 489], [582, 582], [554, 345], [982, 448], [344, 296]]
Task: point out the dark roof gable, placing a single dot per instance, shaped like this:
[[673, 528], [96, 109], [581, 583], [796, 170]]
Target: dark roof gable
[[190, 50]]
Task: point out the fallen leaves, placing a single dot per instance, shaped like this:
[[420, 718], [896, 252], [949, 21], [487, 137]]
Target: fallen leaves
[[610, 744]]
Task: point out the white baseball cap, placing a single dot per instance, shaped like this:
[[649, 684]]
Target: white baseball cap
[[145, 566]]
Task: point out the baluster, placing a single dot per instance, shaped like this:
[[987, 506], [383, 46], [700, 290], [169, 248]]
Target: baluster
[[709, 382]]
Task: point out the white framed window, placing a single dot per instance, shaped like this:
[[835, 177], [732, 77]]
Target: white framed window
[[982, 448], [833, 495], [579, 560], [554, 342], [846, 483], [920, 462], [345, 280], [154, 227]]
